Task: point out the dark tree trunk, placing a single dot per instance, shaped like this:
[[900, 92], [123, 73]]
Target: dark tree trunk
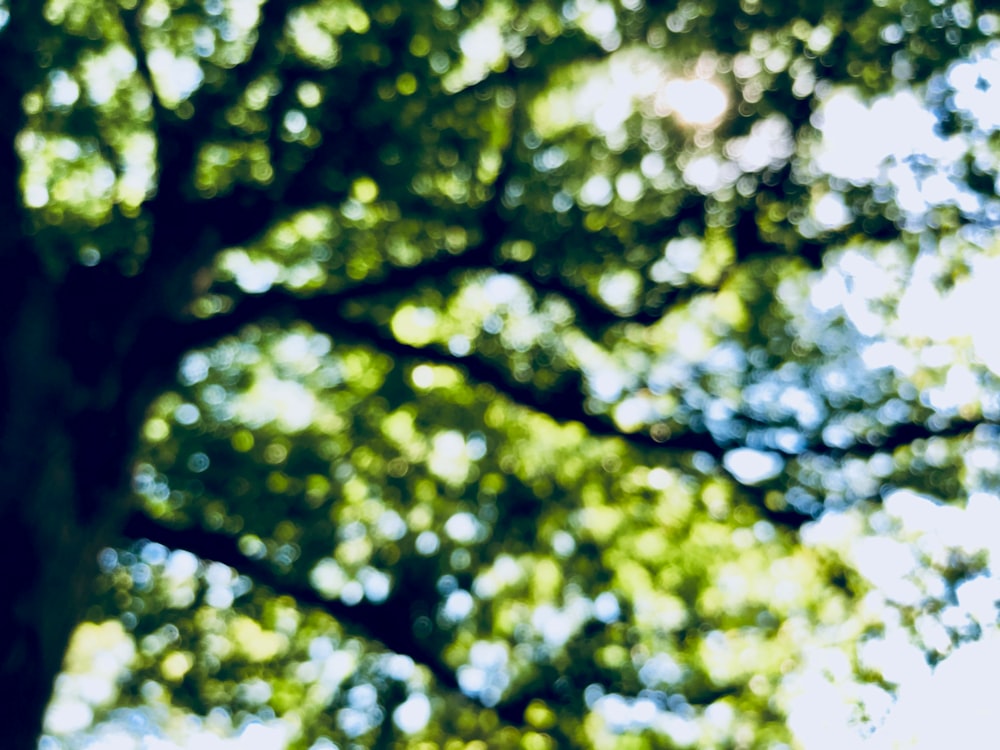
[[44, 560], [66, 438], [67, 417]]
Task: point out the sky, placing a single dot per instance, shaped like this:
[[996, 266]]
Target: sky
[[954, 703]]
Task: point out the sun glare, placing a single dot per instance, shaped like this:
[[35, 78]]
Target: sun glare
[[633, 80], [695, 102]]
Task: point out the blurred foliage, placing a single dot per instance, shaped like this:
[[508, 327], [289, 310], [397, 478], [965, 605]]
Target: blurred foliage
[[576, 325]]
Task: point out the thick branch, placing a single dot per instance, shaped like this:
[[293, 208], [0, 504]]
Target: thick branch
[[390, 623], [901, 435], [563, 404], [131, 25], [324, 313]]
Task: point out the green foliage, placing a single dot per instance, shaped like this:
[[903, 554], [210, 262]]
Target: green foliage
[[480, 304]]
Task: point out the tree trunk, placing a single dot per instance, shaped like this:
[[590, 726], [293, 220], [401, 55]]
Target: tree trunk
[[65, 443]]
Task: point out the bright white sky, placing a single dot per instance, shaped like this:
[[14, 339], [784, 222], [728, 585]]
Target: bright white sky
[[953, 705]]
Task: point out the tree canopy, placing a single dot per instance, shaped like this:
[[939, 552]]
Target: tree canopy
[[487, 374]]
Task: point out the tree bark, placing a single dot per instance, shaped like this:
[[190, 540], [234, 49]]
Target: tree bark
[[65, 444]]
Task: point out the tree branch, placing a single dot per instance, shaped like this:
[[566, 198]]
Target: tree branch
[[130, 24], [389, 624], [323, 312], [562, 404], [901, 435]]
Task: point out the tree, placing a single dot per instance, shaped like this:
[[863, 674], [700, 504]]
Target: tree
[[469, 348]]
